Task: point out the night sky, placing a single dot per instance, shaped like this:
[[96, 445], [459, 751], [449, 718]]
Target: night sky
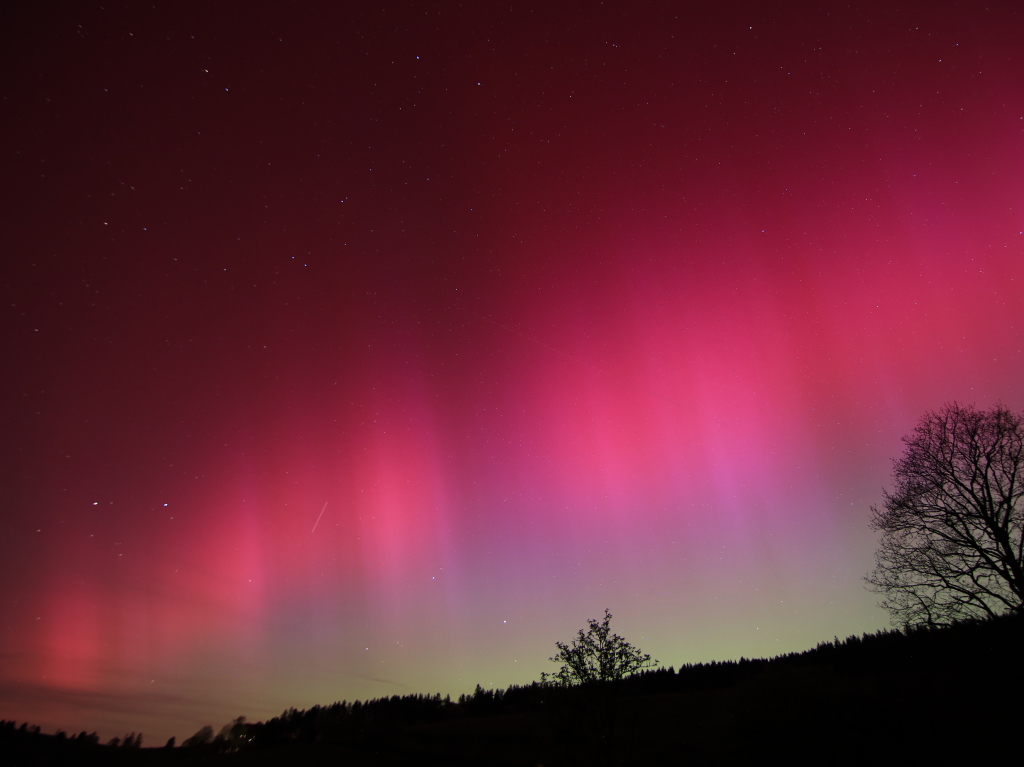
[[353, 351]]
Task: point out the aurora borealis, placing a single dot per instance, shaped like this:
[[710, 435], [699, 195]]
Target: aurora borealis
[[556, 307]]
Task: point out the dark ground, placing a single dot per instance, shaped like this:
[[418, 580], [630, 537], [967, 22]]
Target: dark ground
[[881, 699]]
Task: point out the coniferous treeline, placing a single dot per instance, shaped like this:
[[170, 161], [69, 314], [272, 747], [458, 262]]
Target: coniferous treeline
[[25, 738], [857, 674], [881, 653], [11, 732]]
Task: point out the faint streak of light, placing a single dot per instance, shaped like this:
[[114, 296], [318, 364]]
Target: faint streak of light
[[318, 518]]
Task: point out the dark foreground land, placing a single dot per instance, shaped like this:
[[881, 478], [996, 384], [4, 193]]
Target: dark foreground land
[[888, 698]]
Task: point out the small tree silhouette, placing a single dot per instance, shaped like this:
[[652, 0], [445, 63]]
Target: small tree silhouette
[[592, 668], [596, 655]]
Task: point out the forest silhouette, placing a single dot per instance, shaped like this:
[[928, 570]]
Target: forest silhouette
[[888, 697]]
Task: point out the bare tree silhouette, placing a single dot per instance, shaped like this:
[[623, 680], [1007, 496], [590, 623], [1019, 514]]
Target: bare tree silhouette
[[597, 655], [952, 534], [594, 664]]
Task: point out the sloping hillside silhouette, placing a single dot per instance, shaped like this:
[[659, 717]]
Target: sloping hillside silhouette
[[887, 698]]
